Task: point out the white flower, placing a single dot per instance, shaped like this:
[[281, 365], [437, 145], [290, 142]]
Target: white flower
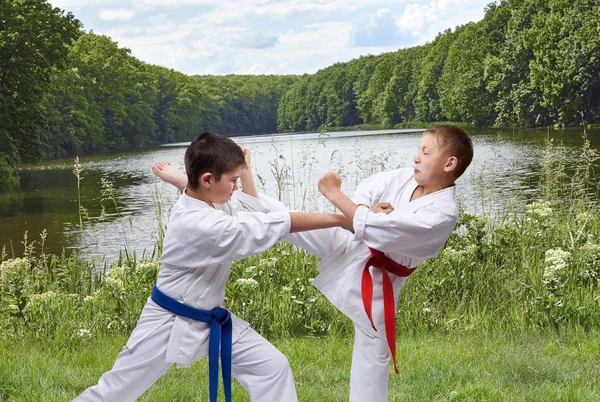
[[286, 289], [90, 298], [116, 273], [43, 297], [247, 282], [115, 286], [540, 209], [84, 332], [250, 270], [591, 248], [556, 260], [13, 275], [148, 266]]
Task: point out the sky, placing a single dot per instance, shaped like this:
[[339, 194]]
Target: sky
[[221, 37]]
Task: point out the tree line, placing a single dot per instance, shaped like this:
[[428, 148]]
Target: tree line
[[65, 91], [527, 63]]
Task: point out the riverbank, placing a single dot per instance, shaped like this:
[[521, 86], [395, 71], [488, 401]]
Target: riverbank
[[404, 125]]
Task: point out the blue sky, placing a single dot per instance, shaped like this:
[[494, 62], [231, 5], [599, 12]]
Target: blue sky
[[267, 37]]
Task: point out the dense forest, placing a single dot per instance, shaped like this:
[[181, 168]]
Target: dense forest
[[528, 63], [65, 91]]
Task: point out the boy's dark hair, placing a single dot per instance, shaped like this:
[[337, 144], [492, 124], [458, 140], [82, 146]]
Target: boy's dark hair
[[212, 153], [454, 141]]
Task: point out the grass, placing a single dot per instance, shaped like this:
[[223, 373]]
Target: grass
[[433, 367]]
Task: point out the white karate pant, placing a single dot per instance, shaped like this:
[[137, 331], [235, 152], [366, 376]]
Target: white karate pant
[[259, 367], [369, 375]]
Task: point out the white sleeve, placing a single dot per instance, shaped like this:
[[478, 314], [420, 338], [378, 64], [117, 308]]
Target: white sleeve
[[241, 201], [419, 234], [247, 234], [368, 191], [271, 204]]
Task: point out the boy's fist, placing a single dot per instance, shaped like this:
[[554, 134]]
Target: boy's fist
[[384, 207], [247, 156], [330, 181]]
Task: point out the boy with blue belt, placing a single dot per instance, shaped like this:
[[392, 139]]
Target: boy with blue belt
[[210, 227]]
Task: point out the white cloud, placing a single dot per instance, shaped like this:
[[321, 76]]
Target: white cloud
[[257, 41], [267, 36], [424, 22], [120, 14], [69, 5], [380, 30]]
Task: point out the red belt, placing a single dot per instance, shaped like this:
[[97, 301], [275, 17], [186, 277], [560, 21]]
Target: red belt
[[379, 260]]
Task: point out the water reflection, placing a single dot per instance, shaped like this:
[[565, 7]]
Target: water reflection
[[505, 169]]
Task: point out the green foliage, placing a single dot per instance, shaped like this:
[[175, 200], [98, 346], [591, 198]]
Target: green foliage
[[532, 268], [67, 92], [528, 63], [34, 39], [462, 89]]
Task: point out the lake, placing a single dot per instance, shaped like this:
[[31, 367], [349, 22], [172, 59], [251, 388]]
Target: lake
[[505, 168]]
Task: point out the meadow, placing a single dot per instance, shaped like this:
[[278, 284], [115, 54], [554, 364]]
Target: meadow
[[509, 310]]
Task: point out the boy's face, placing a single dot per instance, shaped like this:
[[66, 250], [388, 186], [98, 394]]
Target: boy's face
[[221, 190], [430, 162]]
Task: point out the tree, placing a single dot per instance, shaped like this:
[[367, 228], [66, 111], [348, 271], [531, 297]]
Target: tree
[[34, 38]]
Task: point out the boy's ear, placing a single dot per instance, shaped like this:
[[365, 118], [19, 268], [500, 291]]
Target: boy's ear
[[205, 179], [451, 164]]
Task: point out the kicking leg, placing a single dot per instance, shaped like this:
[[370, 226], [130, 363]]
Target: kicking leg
[[262, 369], [321, 242]]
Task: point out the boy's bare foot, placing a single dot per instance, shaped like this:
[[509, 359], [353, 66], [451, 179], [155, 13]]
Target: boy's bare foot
[[168, 173]]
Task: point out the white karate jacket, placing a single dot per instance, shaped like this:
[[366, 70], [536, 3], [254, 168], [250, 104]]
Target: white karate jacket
[[413, 232], [200, 244]]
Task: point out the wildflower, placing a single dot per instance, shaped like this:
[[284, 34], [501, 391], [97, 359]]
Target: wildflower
[[540, 209], [116, 272], [583, 217], [426, 310], [458, 254], [556, 260], [250, 270], [114, 286], [286, 289], [591, 248], [43, 297], [13, 275], [84, 333], [148, 266], [90, 298], [247, 282]]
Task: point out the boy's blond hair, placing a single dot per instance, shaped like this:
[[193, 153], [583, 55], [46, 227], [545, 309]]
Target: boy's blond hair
[[454, 141]]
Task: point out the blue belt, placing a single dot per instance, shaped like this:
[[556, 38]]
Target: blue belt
[[219, 320]]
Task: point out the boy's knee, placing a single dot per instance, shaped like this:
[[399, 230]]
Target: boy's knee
[[279, 363]]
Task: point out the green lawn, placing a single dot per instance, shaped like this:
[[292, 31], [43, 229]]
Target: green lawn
[[434, 367]]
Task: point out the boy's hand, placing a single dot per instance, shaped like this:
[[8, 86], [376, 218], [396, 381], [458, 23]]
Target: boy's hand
[[247, 156], [384, 207], [330, 182]]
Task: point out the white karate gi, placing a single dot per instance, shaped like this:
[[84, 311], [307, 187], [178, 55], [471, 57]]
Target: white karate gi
[[199, 246], [413, 232]]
